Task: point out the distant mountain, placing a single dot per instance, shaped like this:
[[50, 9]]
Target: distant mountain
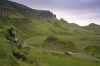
[[94, 25], [36, 22], [29, 21], [40, 24]]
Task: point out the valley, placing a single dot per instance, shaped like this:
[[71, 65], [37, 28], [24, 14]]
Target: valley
[[39, 38]]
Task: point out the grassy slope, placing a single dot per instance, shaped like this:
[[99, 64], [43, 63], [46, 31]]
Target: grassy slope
[[43, 27], [34, 29], [50, 59], [78, 41]]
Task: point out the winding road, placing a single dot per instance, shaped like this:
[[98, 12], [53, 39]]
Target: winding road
[[77, 55]]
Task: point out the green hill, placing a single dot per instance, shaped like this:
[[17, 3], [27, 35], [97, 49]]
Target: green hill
[[38, 25], [94, 27]]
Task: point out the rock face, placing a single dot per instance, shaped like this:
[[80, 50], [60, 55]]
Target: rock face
[[50, 39], [11, 8], [11, 35], [12, 32], [46, 14]]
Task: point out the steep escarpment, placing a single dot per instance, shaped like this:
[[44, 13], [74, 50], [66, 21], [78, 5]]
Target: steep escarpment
[[46, 31], [10, 8]]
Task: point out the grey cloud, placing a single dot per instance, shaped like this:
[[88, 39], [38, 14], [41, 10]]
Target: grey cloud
[[85, 8]]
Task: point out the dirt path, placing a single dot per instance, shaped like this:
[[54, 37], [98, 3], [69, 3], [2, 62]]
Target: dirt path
[[77, 55]]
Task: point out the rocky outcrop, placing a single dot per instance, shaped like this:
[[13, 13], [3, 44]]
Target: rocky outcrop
[[46, 14], [19, 56], [11, 35], [25, 11]]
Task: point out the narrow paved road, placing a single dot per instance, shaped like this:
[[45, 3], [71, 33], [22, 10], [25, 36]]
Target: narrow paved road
[[85, 56], [77, 55]]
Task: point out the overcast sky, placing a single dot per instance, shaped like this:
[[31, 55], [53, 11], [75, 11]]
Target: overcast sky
[[81, 12]]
